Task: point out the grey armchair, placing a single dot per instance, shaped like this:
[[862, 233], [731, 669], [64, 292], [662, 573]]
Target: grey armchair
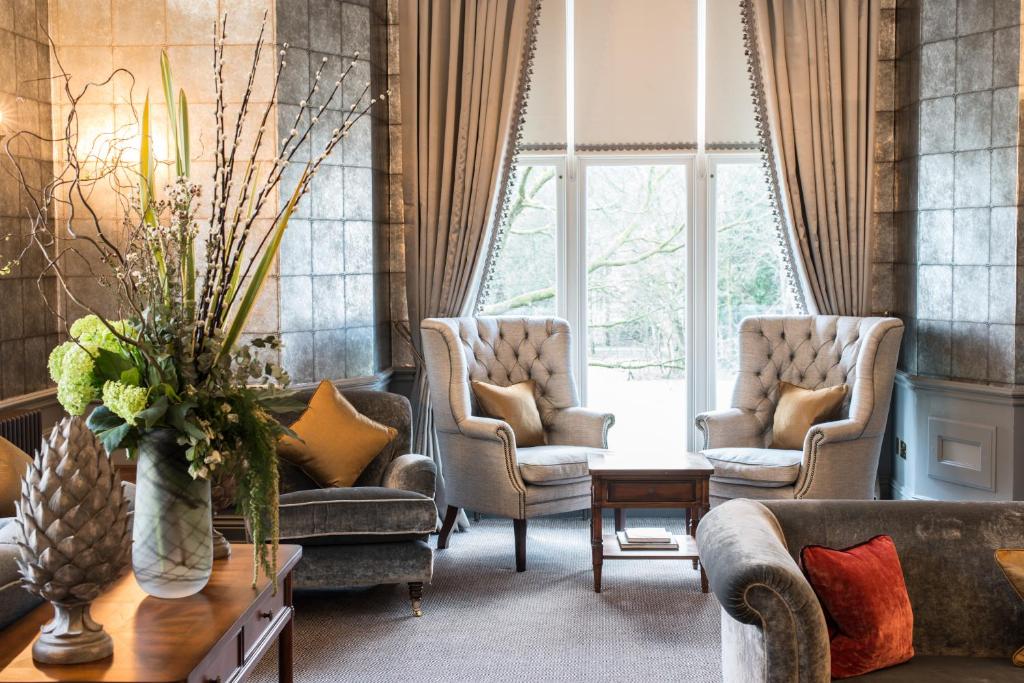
[[374, 532], [839, 459], [968, 620], [484, 471]]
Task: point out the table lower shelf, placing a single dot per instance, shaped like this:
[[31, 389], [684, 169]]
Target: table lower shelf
[[687, 550]]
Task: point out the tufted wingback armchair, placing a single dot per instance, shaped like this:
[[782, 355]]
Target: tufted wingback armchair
[[839, 459], [483, 469]]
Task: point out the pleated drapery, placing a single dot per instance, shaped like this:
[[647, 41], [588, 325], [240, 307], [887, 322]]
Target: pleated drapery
[[814, 65], [462, 68]]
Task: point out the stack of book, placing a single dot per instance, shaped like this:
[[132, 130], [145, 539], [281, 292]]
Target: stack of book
[[649, 538]]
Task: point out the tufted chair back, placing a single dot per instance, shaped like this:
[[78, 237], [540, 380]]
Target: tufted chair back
[[811, 352], [502, 351]]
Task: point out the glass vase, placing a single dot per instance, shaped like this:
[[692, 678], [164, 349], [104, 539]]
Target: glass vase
[[172, 547]]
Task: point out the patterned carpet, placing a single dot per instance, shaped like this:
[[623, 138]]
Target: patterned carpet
[[484, 622]]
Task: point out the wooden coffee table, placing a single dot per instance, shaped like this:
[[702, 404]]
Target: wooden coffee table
[[218, 634], [628, 480]]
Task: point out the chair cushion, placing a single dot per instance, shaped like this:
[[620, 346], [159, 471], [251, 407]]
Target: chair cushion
[[337, 442], [764, 467], [951, 669], [515, 405], [548, 465], [364, 514], [800, 409], [862, 590]]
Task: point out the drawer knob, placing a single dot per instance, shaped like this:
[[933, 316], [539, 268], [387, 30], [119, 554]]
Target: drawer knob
[[267, 614], [650, 490]]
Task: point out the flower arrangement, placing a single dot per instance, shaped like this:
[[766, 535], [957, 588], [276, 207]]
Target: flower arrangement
[[174, 356]]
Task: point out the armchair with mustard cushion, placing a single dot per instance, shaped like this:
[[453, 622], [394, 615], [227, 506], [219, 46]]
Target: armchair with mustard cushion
[[838, 458], [374, 531], [484, 468]]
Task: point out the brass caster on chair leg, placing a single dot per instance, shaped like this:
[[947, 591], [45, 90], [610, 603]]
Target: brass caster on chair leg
[[416, 596]]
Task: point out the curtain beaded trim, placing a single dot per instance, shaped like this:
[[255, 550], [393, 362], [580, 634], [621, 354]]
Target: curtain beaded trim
[[748, 19]]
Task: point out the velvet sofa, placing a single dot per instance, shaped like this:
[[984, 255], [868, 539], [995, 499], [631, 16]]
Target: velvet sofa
[[374, 532], [14, 600], [968, 620]]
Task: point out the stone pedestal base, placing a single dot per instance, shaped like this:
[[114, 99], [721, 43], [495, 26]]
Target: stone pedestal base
[[72, 637]]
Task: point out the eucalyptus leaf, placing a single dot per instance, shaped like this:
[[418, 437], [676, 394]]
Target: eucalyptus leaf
[[103, 419], [151, 415], [115, 438], [110, 365]]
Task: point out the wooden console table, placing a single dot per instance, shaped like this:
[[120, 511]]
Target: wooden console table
[[217, 635], [628, 480]]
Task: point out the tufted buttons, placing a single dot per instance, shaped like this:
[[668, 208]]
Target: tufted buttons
[[782, 335], [792, 356]]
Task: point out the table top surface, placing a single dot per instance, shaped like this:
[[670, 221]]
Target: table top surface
[[154, 639], [667, 464]]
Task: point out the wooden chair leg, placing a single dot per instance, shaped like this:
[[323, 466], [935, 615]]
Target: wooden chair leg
[[520, 529], [416, 596], [450, 516]]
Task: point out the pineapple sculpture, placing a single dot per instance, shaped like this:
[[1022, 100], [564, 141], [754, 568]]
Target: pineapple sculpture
[[75, 539]]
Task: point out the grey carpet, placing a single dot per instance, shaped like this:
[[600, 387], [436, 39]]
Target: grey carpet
[[484, 622]]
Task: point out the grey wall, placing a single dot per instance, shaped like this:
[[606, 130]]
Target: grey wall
[[955, 223], [28, 330], [333, 290]]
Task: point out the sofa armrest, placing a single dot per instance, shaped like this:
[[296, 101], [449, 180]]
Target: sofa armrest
[[758, 583], [411, 472], [580, 427], [733, 427]]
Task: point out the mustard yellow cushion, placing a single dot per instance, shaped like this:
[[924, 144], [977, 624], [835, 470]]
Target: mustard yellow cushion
[[13, 464], [339, 441], [1011, 560], [800, 409], [515, 405]]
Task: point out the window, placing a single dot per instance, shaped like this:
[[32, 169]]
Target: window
[[750, 279], [523, 278], [636, 225], [650, 226]]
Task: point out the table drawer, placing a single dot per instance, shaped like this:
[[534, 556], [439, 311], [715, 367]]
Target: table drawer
[[651, 491], [268, 608], [220, 665]]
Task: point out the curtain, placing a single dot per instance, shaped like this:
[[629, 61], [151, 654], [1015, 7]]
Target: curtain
[[813, 64], [462, 68]]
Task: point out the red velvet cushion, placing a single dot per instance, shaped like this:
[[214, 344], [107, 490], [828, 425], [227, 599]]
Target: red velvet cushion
[[865, 600]]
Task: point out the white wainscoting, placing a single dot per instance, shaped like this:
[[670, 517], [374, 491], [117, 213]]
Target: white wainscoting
[[963, 441]]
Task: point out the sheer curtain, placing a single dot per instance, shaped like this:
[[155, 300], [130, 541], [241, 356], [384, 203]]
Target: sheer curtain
[[463, 68], [814, 68]]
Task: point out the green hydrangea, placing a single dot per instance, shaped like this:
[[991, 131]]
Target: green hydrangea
[[72, 366], [124, 400], [56, 362]]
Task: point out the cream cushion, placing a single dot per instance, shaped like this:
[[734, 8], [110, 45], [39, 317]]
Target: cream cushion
[[765, 467], [547, 465]]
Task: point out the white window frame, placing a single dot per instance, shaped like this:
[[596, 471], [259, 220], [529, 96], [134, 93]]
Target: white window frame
[[702, 260]]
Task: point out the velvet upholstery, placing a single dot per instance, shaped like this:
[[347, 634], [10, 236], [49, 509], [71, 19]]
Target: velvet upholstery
[[773, 626], [323, 515], [866, 604], [14, 600], [369, 564], [375, 531]]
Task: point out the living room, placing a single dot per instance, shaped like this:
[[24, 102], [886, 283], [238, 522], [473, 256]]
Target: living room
[[394, 340]]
